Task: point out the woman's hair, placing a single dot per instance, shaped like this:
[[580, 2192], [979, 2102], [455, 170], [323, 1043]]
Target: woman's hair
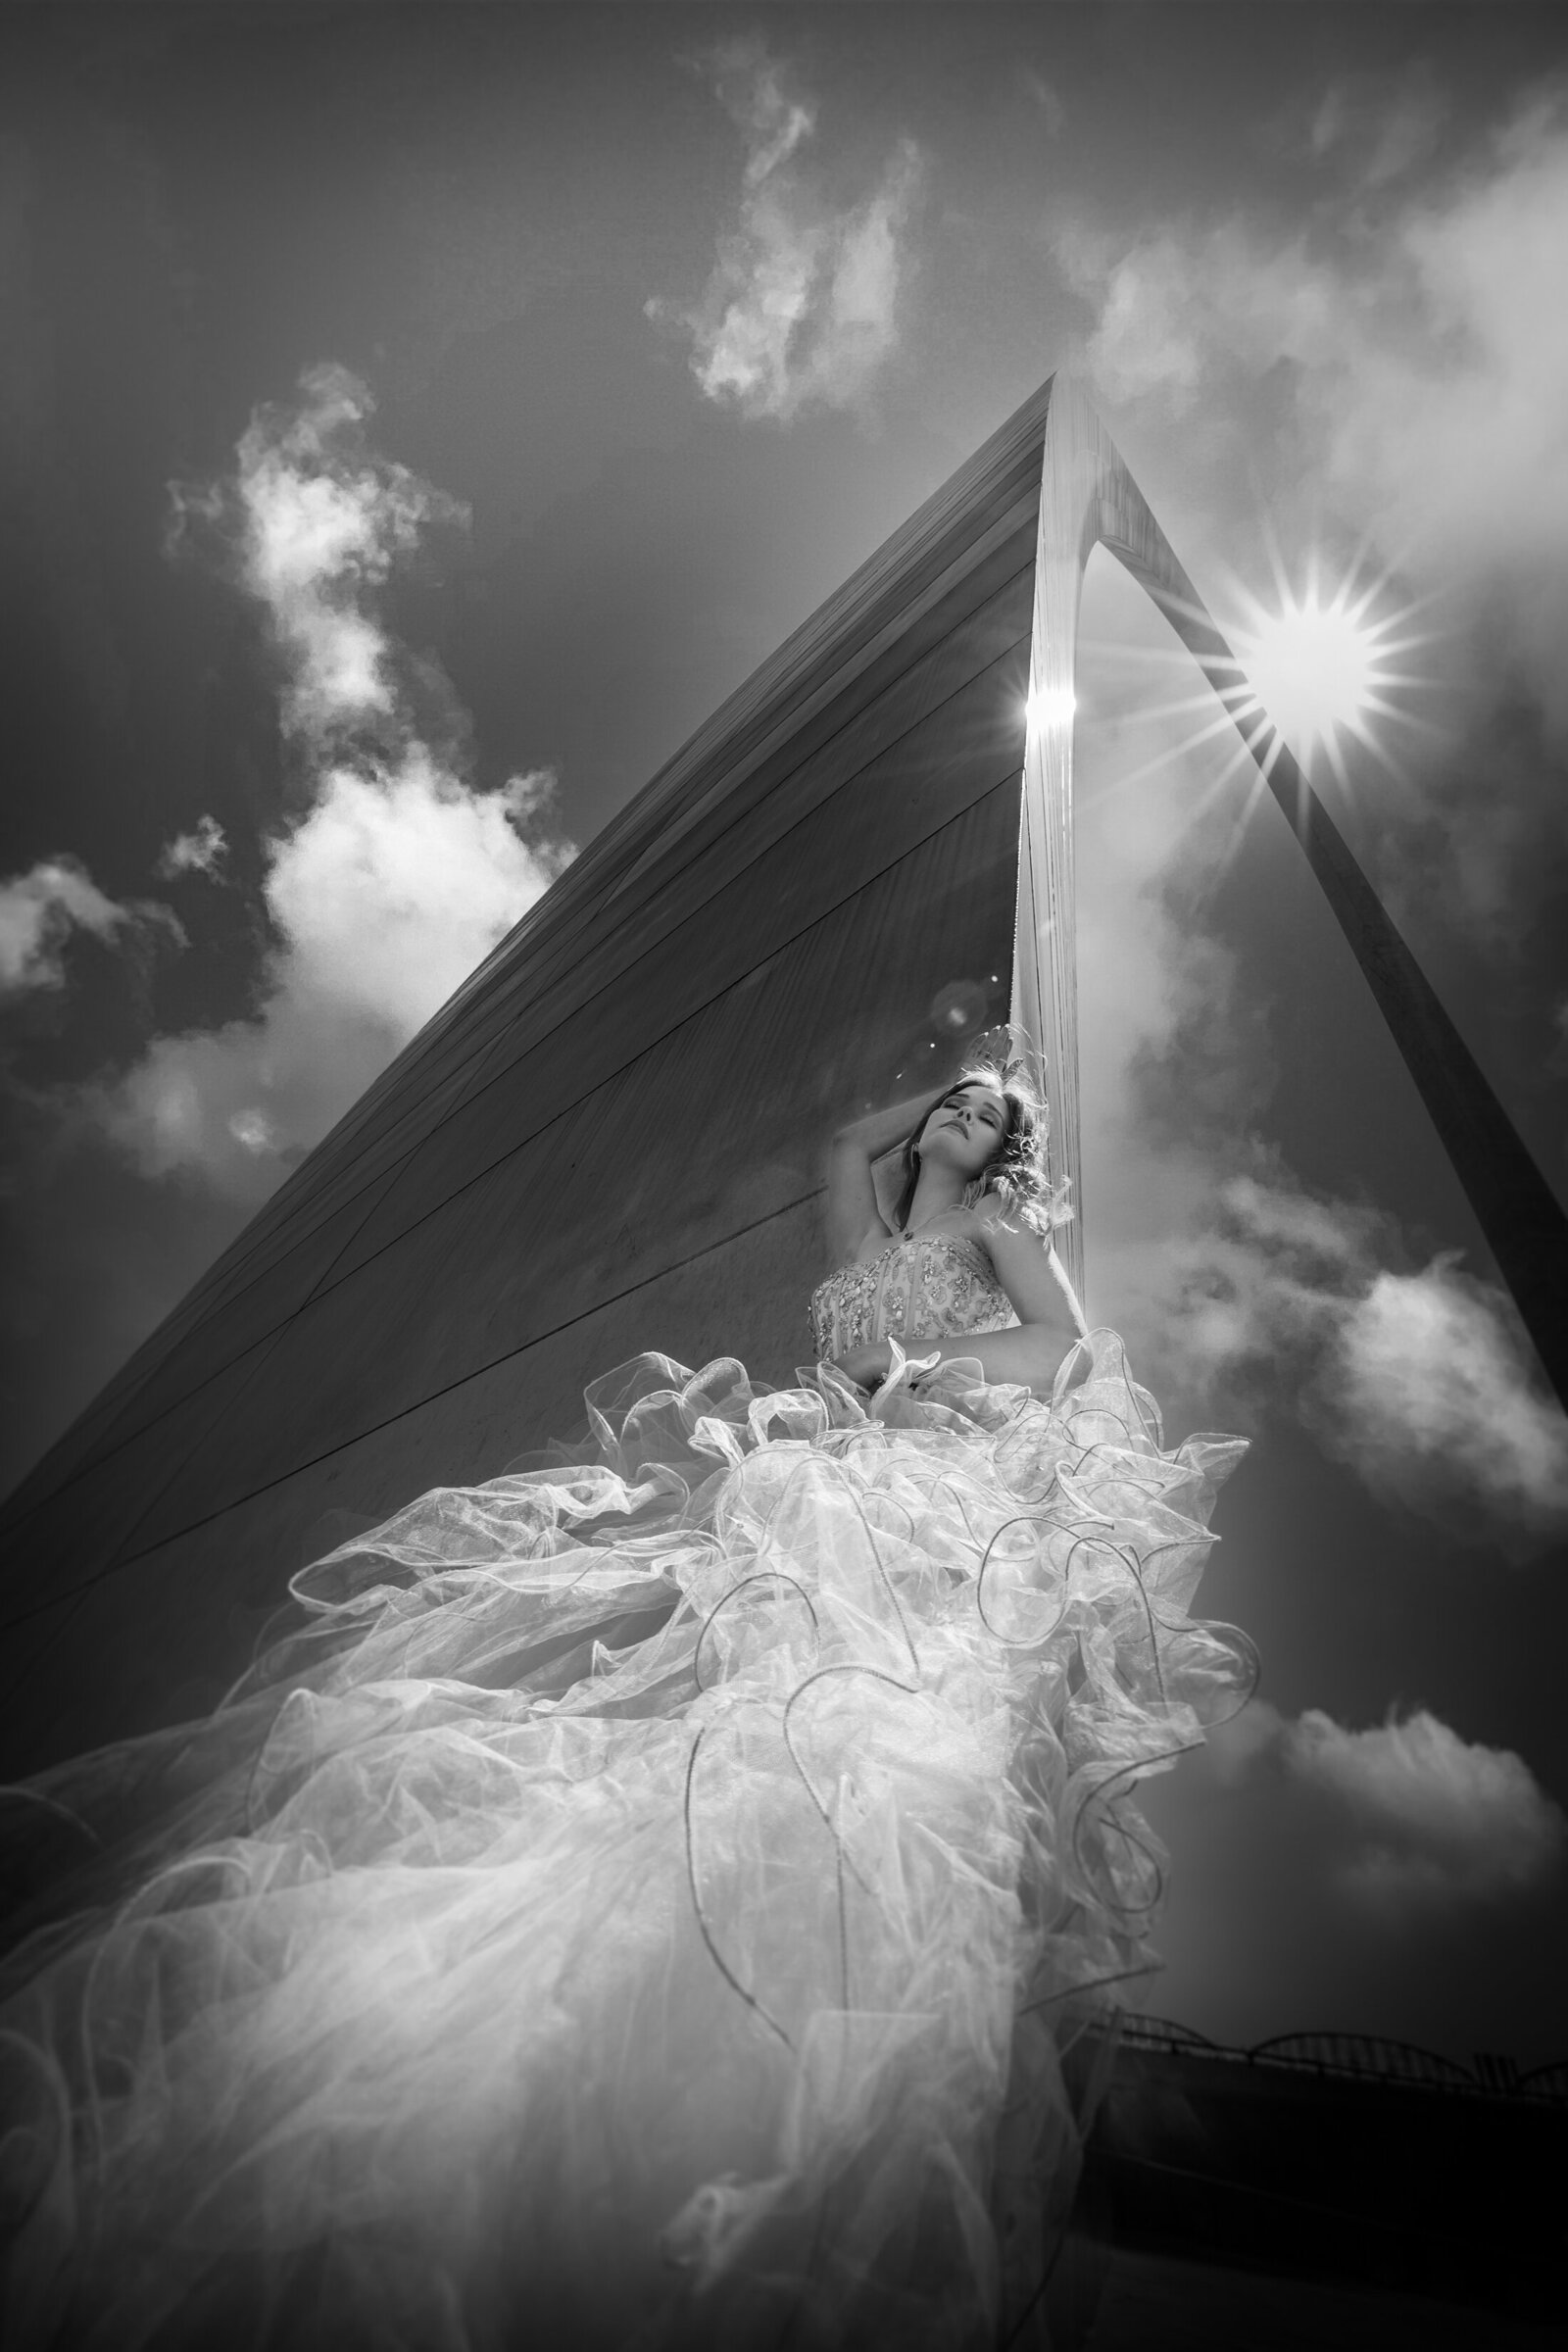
[[1017, 1169]]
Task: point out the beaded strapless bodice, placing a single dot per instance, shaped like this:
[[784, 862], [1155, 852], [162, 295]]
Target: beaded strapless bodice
[[928, 1287]]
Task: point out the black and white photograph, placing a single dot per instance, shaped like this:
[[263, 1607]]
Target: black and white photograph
[[784, 1070]]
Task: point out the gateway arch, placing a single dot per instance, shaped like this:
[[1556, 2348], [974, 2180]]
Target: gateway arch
[[611, 1137]]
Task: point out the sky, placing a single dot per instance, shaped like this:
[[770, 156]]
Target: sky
[[517, 378]]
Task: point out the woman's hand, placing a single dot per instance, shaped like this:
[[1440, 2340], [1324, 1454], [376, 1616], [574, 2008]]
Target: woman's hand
[[867, 1367]]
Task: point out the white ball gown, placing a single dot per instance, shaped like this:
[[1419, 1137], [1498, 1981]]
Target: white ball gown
[[644, 1904]]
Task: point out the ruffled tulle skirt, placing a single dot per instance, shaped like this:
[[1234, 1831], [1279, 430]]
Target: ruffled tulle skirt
[[643, 1902]]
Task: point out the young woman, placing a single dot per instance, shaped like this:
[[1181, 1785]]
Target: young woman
[[974, 1197], [647, 1904]]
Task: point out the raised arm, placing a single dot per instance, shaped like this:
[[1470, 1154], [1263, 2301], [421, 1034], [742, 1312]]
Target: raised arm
[[854, 1217]]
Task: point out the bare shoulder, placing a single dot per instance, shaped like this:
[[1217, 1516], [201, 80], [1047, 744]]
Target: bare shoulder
[[993, 1221], [1020, 1256]]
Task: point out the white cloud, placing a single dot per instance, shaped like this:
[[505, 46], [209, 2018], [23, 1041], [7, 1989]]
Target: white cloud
[[1403, 1815], [1430, 1815], [385, 896], [399, 876], [201, 852], [802, 307], [396, 885], [1423, 1382], [1398, 1879], [1176, 307], [313, 521], [253, 1130], [41, 908], [1435, 1379], [751, 89]]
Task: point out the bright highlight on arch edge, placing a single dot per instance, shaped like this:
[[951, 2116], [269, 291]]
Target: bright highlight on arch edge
[[1049, 707]]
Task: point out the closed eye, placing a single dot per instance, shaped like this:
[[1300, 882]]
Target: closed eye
[[959, 1101]]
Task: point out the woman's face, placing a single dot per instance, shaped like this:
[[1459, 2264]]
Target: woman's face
[[967, 1130]]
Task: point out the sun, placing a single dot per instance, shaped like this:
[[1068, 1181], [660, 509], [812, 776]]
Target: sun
[[1329, 663], [1320, 666], [1313, 667]]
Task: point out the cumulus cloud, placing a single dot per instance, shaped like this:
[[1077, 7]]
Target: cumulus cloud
[[399, 875], [311, 522], [385, 896], [800, 308], [1398, 1879], [1422, 1381], [1435, 1370], [41, 910], [1405, 1812], [1433, 1817], [200, 851]]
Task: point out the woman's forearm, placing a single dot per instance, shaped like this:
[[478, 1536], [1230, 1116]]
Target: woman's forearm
[[1028, 1355], [881, 1130]]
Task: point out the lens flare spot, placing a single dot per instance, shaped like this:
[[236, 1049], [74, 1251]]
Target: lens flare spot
[[1049, 707]]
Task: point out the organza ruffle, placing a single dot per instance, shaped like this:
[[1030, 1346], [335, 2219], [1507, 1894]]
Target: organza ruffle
[[640, 1902]]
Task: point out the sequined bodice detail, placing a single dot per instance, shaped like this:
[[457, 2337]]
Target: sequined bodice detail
[[929, 1288]]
